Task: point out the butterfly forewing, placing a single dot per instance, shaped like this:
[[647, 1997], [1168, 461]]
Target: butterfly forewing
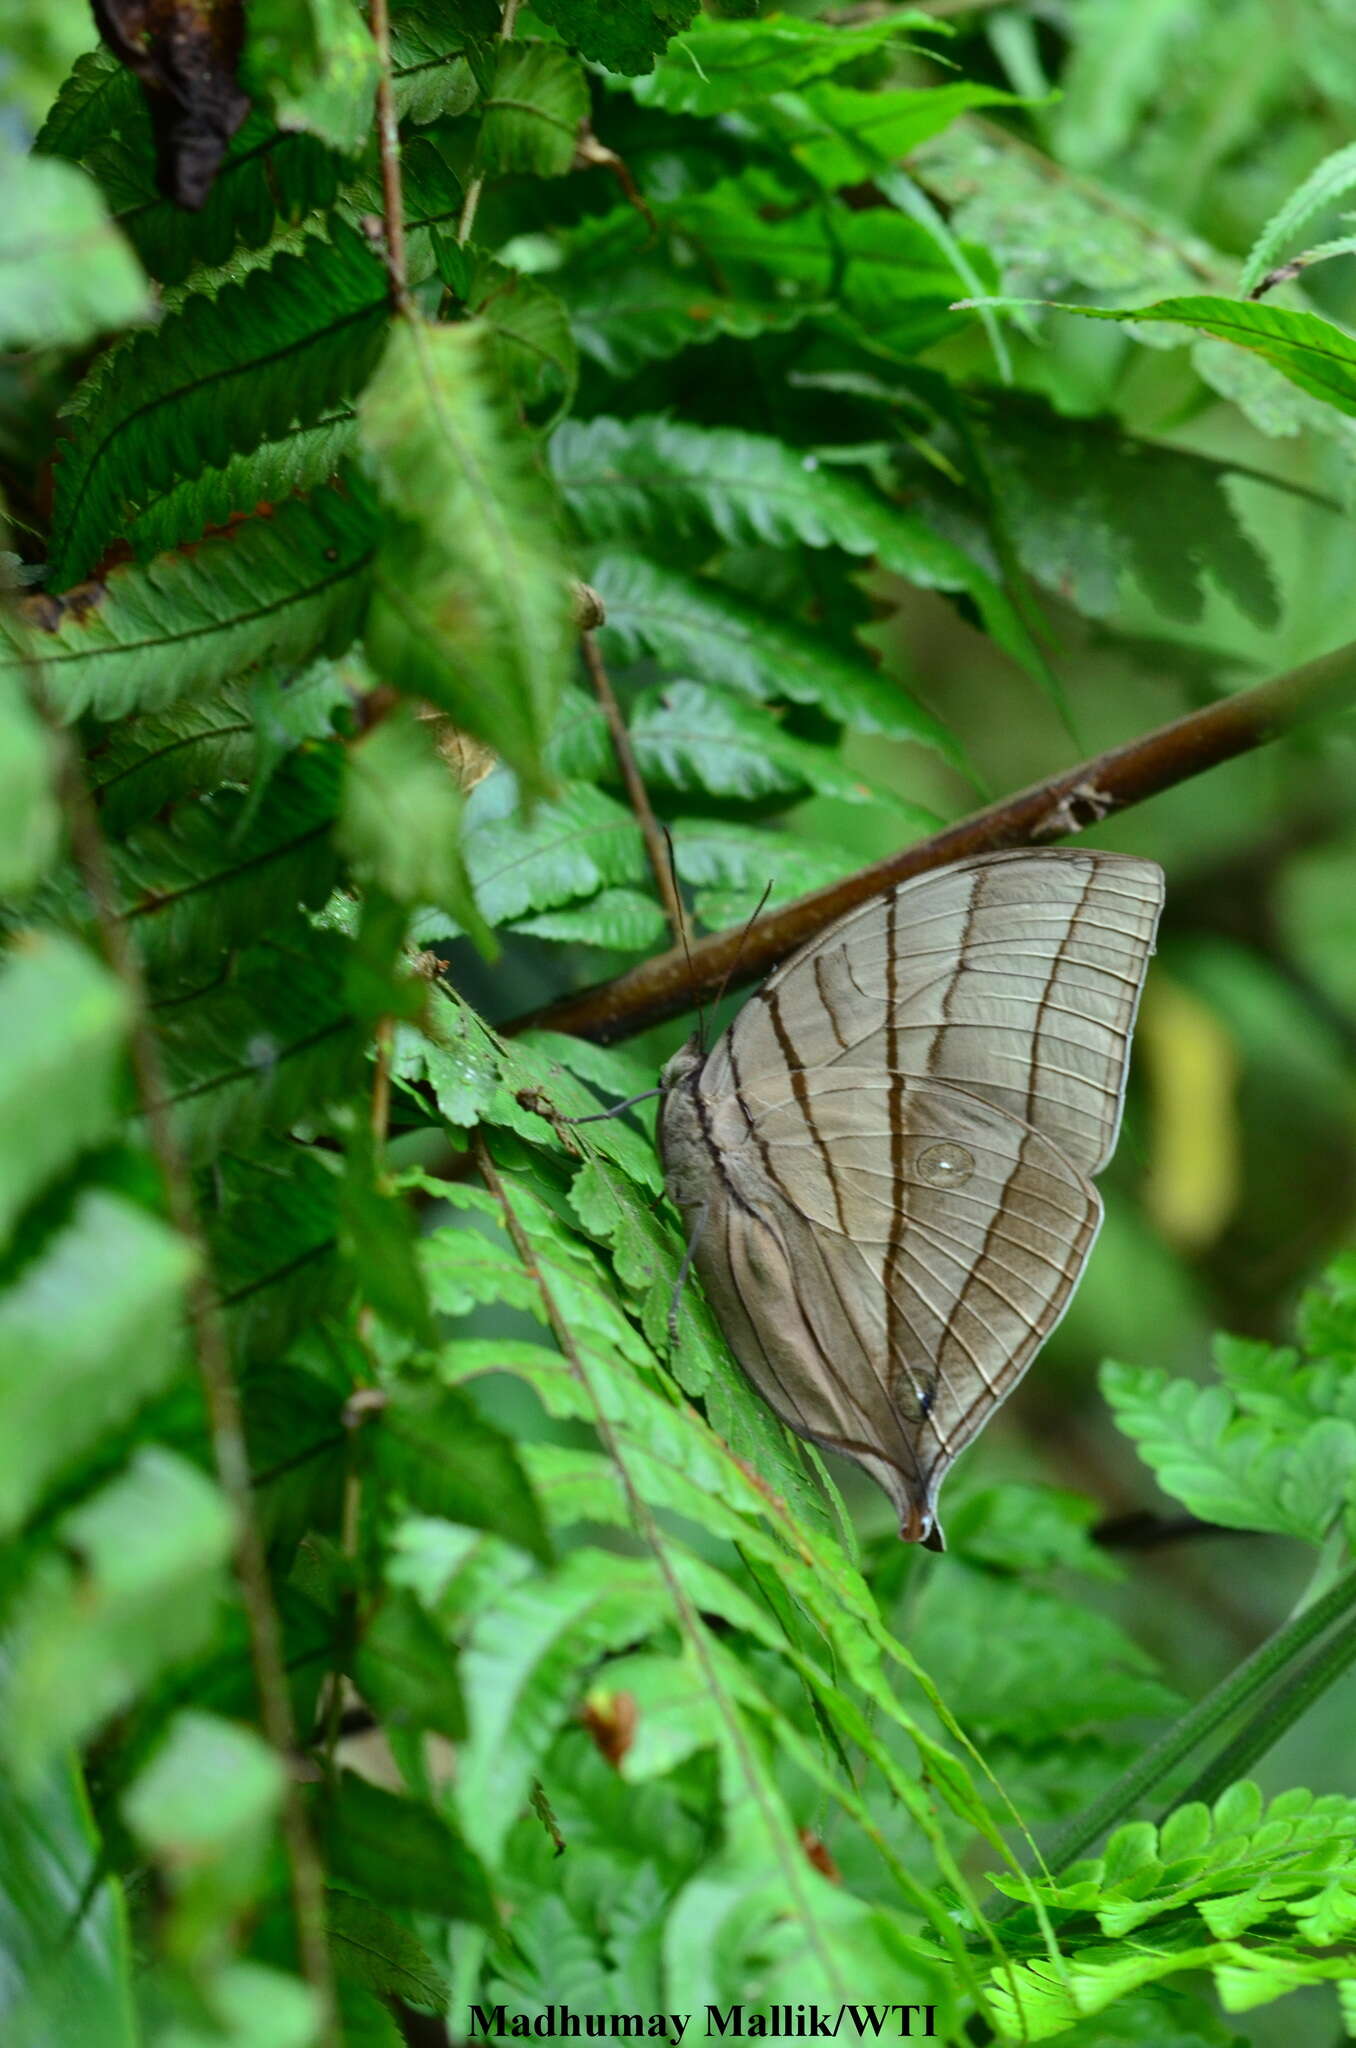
[[1016, 977], [891, 1146]]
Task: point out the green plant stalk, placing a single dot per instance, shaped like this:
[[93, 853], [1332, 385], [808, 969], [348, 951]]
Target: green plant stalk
[[1276, 1715], [1241, 1686]]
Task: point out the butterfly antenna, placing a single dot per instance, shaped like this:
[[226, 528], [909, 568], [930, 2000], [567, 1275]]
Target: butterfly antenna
[[733, 967], [687, 950]]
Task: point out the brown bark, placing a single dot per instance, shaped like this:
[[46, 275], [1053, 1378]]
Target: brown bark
[[671, 983]]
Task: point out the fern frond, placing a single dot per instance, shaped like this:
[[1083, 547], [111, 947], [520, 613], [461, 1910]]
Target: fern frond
[[283, 588], [275, 1040], [697, 627], [214, 380], [662, 479]]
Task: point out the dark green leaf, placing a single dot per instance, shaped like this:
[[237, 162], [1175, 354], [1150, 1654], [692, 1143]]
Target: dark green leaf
[[626, 35], [286, 587], [372, 1949], [700, 628], [274, 1238], [275, 1041], [406, 1670], [403, 1854], [533, 112], [215, 379], [435, 1449], [215, 875], [653, 478]]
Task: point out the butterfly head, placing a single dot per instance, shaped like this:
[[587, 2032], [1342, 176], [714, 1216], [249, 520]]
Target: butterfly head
[[683, 1066]]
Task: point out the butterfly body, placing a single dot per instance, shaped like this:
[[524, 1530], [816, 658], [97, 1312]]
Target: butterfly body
[[886, 1161]]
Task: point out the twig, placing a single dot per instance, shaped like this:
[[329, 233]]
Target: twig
[[388, 141], [671, 984], [635, 789], [220, 1396], [471, 204]]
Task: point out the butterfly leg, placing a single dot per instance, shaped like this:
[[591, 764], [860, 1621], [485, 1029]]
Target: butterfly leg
[[688, 1256]]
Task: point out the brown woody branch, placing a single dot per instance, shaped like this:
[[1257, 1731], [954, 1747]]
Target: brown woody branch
[[670, 984]]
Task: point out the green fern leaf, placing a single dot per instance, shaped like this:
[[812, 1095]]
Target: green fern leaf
[[693, 739], [1231, 1468], [98, 99], [621, 920], [533, 112], [285, 588], [1325, 185], [278, 1040], [658, 479], [214, 380], [629, 307], [472, 604], [731, 865], [273, 1238], [235, 734], [1017, 1661], [524, 1675], [219, 870], [269, 179], [627, 38], [299, 461], [436, 56], [697, 627], [570, 847], [716, 67]]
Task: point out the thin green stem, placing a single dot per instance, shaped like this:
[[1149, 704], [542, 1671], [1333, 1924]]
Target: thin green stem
[[471, 204], [1232, 1694], [1278, 1713]]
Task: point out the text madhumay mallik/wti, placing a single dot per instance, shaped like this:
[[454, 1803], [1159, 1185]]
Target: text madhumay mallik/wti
[[780, 2022]]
